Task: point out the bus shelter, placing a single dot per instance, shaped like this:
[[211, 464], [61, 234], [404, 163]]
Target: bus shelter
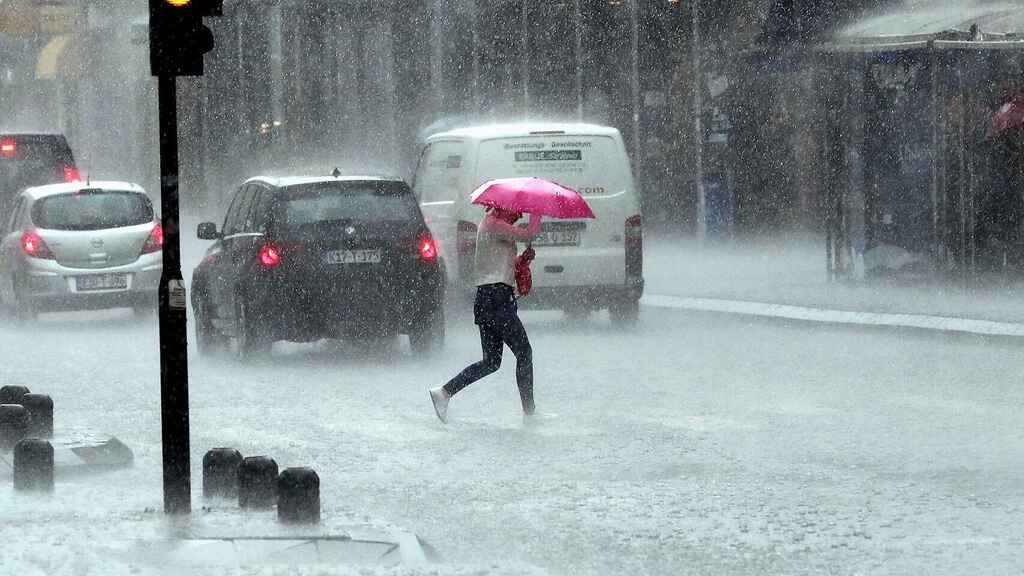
[[923, 148]]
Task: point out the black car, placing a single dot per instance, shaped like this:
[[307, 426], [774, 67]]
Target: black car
[[302, 259], [32, 160]]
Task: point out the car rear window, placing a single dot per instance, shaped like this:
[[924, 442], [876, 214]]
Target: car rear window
[[92, 210], [342, 201]]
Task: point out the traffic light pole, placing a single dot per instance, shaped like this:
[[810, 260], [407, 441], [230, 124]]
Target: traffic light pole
[[173, 339]]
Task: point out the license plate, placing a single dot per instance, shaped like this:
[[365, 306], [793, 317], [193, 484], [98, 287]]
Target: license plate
[[558, 238], [102, 282], [352, 257]]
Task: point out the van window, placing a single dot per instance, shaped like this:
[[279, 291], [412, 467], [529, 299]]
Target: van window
[[439, 176], [591, 165]]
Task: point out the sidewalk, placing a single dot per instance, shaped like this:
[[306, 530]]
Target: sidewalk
[[786, 279]]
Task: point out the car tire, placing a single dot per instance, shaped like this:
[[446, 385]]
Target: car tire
[[427, 334], [7, 309], [24, 310], [577, 314], [250, 338], [625, 312], [208, 341]]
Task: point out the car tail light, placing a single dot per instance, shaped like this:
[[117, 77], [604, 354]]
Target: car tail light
[[634, 246], [32, 244], [466, 247], [427, 248], [269, 256], [8, 148], [71, 174], [155, 242]]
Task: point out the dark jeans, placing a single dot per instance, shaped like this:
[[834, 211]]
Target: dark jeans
[[497, 315]]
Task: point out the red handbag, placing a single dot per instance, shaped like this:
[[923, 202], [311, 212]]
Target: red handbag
[[524, 277]]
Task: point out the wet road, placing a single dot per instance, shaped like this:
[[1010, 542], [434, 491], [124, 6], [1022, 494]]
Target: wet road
[[692, 444]]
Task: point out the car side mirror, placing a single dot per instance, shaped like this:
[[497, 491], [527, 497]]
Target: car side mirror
[[207, 231]]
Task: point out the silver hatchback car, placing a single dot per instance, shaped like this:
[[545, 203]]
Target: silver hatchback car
[[78, 246]]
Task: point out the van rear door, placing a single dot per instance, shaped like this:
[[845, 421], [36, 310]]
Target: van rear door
[[581, 252], [440, 183]]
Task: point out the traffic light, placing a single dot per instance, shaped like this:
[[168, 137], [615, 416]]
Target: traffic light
[[177, 37]]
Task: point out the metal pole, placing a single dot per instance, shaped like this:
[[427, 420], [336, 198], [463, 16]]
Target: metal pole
[[933, 154], [173, 341], [635, 81], [698, 125], [962, 173], [477, 100], [437, 19], [524, 57], [579, 61]]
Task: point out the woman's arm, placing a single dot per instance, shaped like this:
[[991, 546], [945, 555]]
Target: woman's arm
[[502, 229]]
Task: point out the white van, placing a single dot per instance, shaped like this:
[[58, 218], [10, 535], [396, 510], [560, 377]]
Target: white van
[[581, 265]]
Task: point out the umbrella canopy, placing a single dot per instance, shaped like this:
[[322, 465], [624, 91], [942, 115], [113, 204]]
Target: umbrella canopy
[[532, 196]]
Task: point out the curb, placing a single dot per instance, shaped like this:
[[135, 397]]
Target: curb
[[842, 317]]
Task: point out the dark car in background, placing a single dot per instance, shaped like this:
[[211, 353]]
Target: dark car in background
[[303, 259], [32, 160]]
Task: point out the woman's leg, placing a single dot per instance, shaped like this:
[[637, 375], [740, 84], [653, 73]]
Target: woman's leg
[[514, 334], [490, 343]]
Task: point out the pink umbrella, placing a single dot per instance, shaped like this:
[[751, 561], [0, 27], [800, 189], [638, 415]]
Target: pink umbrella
[[532, 196]]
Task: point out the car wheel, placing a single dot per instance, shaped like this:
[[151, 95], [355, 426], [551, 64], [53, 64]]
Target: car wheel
[[250, 338], [427, 334], [24, 310], [7, 309], [577, 313], [208, 340], [625, 312]]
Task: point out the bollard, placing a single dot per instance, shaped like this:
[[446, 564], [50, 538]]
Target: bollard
[[14, 421], [220, 473], [298, 496], [12, 394], [33, 465], [257, 482], [40, 409]]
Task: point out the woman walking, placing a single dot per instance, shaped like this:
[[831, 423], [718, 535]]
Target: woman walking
[[495, 311]]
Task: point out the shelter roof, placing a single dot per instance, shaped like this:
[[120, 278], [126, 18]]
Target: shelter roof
[[940, 24]]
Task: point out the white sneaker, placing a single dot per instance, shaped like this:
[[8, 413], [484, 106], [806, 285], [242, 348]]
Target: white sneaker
[[538, 417], [440, 399]]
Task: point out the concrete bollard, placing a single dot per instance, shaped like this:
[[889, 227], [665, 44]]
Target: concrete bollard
[[298, 496], [14, 421], [257, 482], [220, 473], [33, 465], [40, 409], [12, 394]]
